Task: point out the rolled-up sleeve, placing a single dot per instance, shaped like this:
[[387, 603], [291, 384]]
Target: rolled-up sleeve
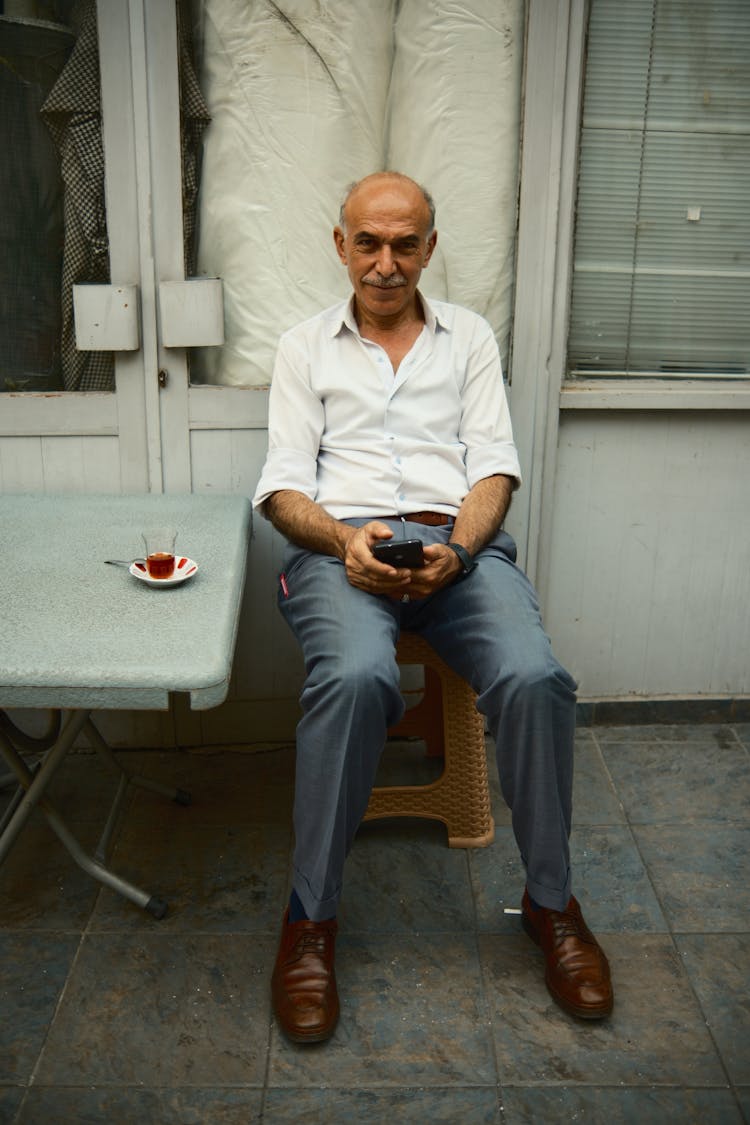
[[296, 419], [486, 430]]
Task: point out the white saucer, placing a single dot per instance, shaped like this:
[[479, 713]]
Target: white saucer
[[184, 569]]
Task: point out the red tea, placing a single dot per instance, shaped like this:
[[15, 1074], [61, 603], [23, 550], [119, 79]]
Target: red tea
[[160, 565]]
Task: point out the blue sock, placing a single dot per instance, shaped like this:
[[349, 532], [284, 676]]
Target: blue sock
[[297, 912]]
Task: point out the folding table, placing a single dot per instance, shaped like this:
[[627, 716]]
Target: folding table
[[78, 635]]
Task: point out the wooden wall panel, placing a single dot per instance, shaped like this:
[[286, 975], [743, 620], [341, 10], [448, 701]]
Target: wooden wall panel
[[59, 463], [81, 464], [21, 466]]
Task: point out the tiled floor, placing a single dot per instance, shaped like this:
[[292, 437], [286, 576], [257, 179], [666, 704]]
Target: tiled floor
[[111, 1016]]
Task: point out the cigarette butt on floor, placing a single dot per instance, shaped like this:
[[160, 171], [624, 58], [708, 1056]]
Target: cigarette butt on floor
[[512, 910]]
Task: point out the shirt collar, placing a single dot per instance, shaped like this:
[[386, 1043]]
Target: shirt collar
[[434, 318]]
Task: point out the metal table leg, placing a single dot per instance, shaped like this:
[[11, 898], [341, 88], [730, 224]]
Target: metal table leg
[[36, 783], [33, 783]]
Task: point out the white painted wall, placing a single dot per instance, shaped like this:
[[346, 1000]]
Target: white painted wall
[[648, 587], [648, 594], [638, 535]]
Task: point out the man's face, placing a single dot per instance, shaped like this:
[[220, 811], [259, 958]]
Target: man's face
[[385, 246]]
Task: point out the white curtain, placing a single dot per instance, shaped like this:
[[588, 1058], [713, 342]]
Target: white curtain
[[306, 97]]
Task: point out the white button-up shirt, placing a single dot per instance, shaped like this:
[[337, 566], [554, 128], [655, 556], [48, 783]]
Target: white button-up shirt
[[361, 441]]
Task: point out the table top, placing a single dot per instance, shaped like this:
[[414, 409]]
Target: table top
[[77, 633]]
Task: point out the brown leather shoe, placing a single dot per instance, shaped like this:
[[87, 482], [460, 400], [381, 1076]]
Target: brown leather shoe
[[577, 973], [303, 985]]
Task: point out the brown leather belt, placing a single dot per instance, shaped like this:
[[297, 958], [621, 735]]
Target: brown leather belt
[[430, 519]]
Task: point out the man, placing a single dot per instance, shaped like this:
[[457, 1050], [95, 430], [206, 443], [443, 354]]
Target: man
[[388, 417]]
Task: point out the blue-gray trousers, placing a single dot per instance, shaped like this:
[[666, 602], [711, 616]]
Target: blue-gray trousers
[[486, 626]]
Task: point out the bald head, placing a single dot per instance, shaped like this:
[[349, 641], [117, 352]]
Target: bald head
[[385, 180], [385, 240]]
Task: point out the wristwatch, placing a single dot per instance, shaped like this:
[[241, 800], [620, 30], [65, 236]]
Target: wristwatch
[[465, 558]]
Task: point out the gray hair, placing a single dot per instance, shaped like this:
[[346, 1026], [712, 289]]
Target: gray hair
[[396, 176]]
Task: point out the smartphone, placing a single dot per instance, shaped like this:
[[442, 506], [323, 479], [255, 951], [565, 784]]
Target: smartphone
[[400, 552]]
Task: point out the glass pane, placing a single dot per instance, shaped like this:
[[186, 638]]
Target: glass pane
[[53, 230]]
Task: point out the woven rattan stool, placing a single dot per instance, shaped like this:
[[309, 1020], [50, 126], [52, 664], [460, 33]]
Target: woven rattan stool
[[448, 721]]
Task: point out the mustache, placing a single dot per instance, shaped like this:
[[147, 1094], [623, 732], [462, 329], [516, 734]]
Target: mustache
[[392, 282]]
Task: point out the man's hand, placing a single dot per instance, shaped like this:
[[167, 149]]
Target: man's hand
[[442, 567], [366, 573], [304, 522]]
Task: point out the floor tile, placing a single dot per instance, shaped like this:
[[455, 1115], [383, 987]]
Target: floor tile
[[226, 787], [230, 878], [500, 810], [448, 1106], [498, 880], [594, 798], [701, 874], [81, 789], [718, 966], [743, 1097], [674, 783], [742, 730], [41, 886], [119, 1017], [401, 876], [34, 970], [121, 1106], [412, 1014], [634, 1106], [10, 1100], [609, 880], [405, 762], [162, 1010], [656, 1034]]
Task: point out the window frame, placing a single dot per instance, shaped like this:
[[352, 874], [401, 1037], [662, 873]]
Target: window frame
[[554, 63], [648, 137]]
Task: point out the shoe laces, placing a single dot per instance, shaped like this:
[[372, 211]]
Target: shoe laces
[[567, 924], [309, 941]]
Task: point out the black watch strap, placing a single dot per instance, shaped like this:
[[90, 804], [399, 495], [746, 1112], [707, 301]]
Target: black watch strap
[[465, 558]]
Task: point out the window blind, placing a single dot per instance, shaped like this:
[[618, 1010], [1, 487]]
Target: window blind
[[661, 262]]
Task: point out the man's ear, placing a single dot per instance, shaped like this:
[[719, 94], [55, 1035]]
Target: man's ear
[[338, 238], [431, 243]]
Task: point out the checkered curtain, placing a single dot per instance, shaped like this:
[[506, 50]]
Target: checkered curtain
[[194, 119], [72, 113]]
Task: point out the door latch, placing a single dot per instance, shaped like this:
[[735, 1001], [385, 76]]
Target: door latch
[[163, 376]]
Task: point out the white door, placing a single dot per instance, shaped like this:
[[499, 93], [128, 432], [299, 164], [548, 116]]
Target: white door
[[94, 313], [72, 412]]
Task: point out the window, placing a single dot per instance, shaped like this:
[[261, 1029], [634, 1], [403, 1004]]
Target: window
[[53, 228], [661, 264]]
